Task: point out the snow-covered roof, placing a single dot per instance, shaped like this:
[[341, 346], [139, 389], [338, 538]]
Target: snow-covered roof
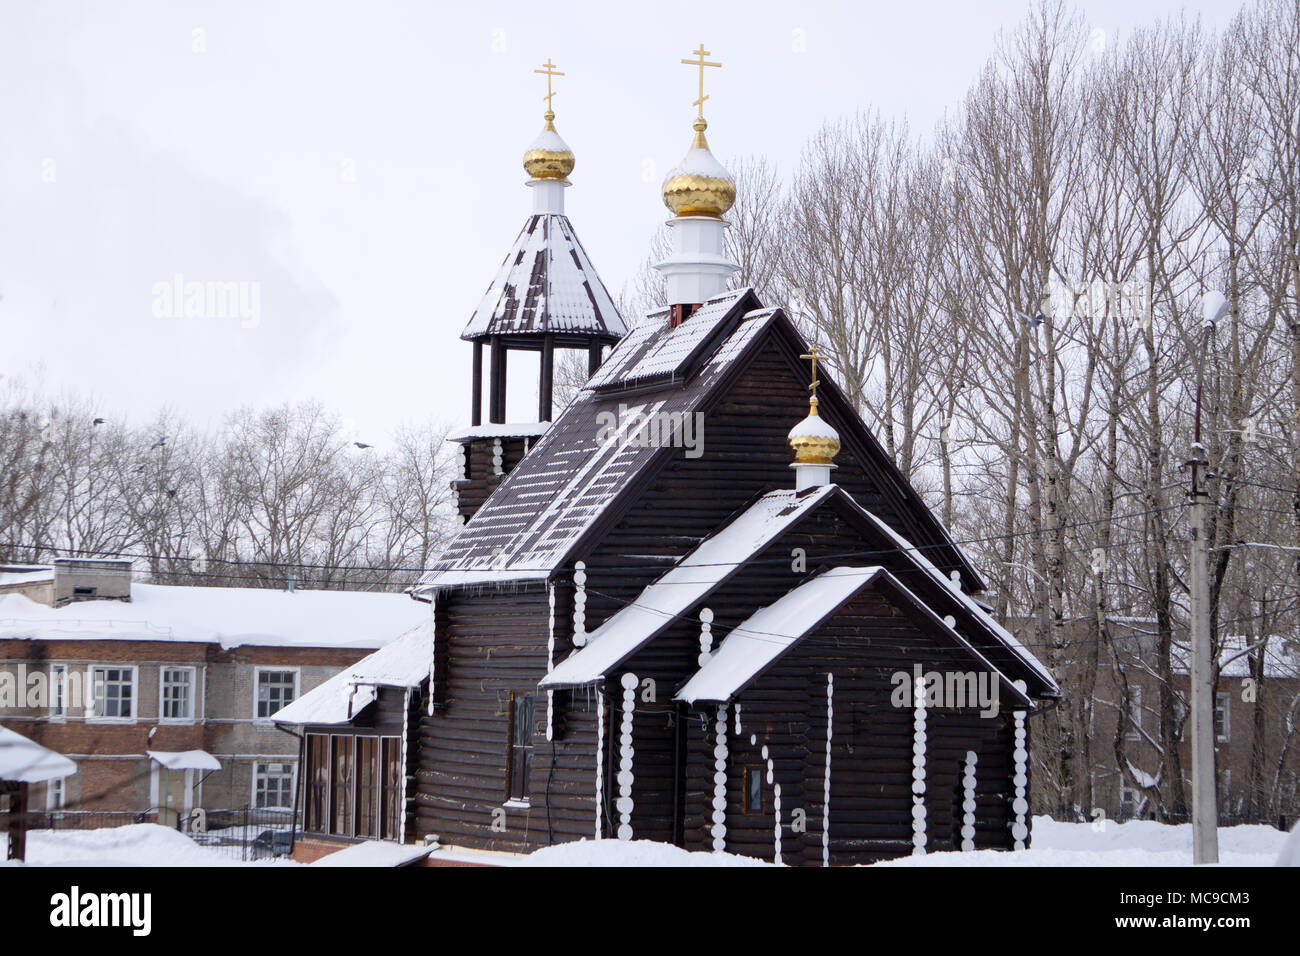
[[376, 853], [507, 430], [230, 617], [185, 759], [685, 585], [26, 761], [402, 663], [764, 636], [770, 632], [530, 523], [546, 284], [11, 576]]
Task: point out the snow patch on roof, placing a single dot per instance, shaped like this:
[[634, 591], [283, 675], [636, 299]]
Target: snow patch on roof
[[685, 585], [231, 617], [26, 761], [402, 663]]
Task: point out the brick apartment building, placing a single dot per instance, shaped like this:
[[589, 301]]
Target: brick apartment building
[[1240, 700], [129, 679]]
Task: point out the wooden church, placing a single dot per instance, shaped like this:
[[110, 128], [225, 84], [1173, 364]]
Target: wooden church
[[697, 607]]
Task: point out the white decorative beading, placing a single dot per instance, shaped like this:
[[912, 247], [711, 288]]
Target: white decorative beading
[[1020, 780], [826, 782], [600, 756], [496, 457], [720, 781], [550, 657], [706, 636], [968, 802], [625, 754], [918, 768], [580, 604]]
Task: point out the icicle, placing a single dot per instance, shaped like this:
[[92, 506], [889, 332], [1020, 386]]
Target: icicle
[[600, 757], [625, 754], [826, 782], [706, 636], [968, 802], [550, 658], [918, 768], [720, 781], [580, 604], [1020, 805]]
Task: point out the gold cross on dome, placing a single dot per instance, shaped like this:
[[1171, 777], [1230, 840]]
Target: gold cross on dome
[[701, 63], [816, 355], [549, 69]]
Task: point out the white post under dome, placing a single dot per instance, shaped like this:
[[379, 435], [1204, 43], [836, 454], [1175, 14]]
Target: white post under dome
[[699, 191], [548, 196]]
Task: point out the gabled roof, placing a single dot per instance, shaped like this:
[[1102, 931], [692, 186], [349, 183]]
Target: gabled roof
[[713, 562], [688, 583], [753, 646], [402, 663], [532, 521], [575, 477], [546, 284]]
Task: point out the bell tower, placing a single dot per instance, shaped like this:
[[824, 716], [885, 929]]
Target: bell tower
[[546, 296]]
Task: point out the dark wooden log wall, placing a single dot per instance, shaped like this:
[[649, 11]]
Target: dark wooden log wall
[[871, 800], [471, 492], [497, 644]]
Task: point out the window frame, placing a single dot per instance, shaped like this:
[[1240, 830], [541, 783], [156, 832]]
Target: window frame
[[58, 709], [760, 771], [257, 772], [387, 803], [193, 671], [92, 697], [1134, 731], [1224, 698], [518, 792], [258, 671]]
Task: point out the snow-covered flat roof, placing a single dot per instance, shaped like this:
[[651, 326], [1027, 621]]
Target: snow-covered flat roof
[[507, 430], [185, 759], [230, 617], [402, 663], [35, 575], [684, 585], [26, 761]]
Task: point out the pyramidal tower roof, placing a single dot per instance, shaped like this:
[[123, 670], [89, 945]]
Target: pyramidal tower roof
[[547, 284]]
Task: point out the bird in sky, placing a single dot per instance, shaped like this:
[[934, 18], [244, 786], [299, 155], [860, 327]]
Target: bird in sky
[[99, 421], [361, 444]]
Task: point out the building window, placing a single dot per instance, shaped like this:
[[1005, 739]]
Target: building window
[[1128, 801], [58, 690], [56, 794], [1134, 712], [753, 783], [354, 786], [114, 693], [521, 745], [275, 689], [273, 785], [176, 694], [1222, 722]]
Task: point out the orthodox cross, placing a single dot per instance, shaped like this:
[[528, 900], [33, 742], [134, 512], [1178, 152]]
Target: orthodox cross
[[816, 355], [549, 69], [701, 63]]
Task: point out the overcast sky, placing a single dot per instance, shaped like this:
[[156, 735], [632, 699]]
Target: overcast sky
[[360, 163]]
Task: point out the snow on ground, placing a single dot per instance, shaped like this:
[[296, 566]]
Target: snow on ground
[[630, 853], [138, 844], [1136, 843]]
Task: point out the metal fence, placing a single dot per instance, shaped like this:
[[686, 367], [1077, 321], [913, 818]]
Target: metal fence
[[247, 833]]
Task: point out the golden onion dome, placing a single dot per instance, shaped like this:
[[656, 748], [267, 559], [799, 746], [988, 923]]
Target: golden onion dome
[[549, 156], [699, 185], [813, 440]]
